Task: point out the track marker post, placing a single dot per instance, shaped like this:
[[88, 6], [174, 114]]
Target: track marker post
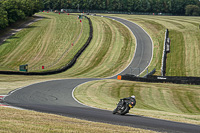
[[119, 77]]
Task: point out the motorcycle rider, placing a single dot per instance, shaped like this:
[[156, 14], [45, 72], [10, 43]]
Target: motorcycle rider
[[131, 99], [123, 102]]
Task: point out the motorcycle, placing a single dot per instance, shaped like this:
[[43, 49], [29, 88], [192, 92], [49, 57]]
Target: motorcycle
[[123, 107]]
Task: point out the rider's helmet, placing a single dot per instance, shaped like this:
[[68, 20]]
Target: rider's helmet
[[133, 96]]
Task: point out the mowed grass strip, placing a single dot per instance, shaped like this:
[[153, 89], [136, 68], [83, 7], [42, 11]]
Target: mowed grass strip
[[110, 51], [95, 61], [175, 59], [164, 101], [44, 43], [13, 120], [184, 34]]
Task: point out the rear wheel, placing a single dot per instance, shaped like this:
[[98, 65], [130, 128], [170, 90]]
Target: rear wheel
[[126, 110]]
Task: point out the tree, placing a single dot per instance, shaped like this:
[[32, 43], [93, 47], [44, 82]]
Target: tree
[[14, 10], [192, 10], [3, 18], [130, 4]]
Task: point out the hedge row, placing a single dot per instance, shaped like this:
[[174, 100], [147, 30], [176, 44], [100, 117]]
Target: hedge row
[[64, 68]]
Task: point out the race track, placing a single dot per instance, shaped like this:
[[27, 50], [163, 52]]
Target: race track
[[56, 96]]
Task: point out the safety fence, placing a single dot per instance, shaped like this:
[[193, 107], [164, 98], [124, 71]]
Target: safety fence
[[62, 69], [149, 73], [163, 79], [166, 49]]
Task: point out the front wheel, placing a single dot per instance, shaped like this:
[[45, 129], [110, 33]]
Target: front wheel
[[126, 110]]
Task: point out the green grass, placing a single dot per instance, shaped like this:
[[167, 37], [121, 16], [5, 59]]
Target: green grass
[[184, 34], [13, 120], [175, 60], [110, 51], [44, 43], [164, 101]]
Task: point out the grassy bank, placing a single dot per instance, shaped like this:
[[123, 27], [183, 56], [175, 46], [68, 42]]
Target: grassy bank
[[45, 43], [184, 35], [164, 101], [13, 120], [110, 51]]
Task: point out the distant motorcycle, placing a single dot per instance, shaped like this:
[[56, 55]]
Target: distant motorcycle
[[123, 107]]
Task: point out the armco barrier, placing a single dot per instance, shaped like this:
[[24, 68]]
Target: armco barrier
[[164, 57], [165, 79], [151, 73], [166, 49], [64, 68]]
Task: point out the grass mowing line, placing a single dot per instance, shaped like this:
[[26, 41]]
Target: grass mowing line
[[176, 43], [156, 100], [187, 26], [62, 56], [8, 83], [148, 27], [3, 78], [43, 43], [101, 52], [13, 120], [141, 110], [60, 52], [97, 59], [175, 59]]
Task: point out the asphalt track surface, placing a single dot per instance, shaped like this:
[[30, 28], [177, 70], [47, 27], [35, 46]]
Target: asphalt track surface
[[56, 96]]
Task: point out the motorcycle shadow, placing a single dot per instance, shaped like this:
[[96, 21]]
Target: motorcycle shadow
[[128, 115]]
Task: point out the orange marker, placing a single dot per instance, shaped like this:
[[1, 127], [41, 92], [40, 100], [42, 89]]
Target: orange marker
[[119, 77]]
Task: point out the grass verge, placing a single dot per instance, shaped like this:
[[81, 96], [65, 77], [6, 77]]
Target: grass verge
[[110, 51], [164, 101], [13, 120], [47, 42], [184, 35]]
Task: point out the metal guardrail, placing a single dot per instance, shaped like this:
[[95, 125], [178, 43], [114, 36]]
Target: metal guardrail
[[164, 56], [162, 79]]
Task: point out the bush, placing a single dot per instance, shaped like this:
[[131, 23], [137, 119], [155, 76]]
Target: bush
[[3, 18], [192, 10], [14, 10]]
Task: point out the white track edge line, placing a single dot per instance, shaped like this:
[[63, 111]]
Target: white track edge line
[[121, 71]]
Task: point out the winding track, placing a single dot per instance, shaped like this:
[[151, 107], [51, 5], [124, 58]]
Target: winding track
[[56, 96]]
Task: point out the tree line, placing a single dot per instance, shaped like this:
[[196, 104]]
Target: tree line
[[176, 7], [14, 10]]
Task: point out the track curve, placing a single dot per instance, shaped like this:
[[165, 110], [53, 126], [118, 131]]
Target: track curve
[[56, 96]]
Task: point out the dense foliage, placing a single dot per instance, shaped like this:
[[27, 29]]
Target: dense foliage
[[13, 10], [176, 7]]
